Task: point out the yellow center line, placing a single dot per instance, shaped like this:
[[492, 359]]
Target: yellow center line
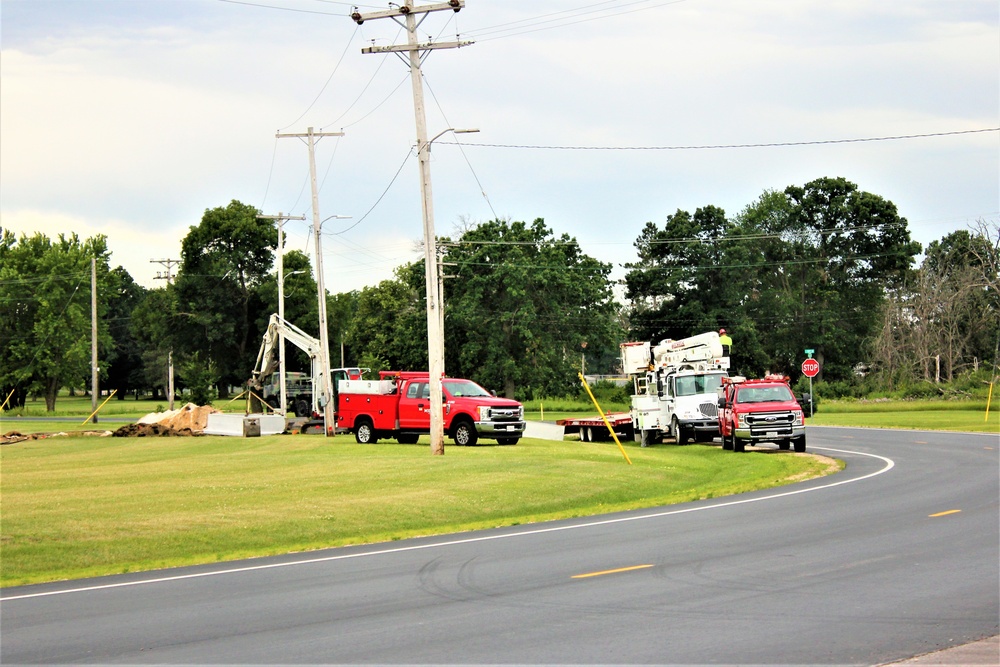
[[603, 572], [944, 513]]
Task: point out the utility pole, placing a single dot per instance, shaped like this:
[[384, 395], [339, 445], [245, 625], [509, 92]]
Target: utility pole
[[324, 336], [94, 387], [280, 220], [435, 335], [168, 275]]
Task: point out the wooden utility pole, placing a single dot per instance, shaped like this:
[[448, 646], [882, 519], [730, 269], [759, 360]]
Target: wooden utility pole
[[168, 275], [94, 370], [324, 336], [435, 334]]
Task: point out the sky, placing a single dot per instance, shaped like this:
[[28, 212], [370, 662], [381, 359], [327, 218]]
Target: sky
[[131, 118]]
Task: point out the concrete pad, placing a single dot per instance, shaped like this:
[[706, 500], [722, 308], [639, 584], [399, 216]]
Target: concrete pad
[[543, 430], [228, 424]]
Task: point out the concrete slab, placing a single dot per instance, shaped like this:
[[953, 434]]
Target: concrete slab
[[220, 423], [543, 430]]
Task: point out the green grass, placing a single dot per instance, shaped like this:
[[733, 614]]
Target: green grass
[[83, 506]]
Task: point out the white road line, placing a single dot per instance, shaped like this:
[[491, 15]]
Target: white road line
[[889, 464]]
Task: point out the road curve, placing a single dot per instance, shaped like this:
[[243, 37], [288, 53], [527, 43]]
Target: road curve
[[894, 557]]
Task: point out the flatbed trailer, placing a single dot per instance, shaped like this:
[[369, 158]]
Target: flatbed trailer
[[593, 429]]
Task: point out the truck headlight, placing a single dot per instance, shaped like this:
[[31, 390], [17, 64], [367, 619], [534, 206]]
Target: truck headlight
[[484, 413], [797, 418]]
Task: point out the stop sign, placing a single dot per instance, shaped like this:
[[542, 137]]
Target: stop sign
[[810, 368]]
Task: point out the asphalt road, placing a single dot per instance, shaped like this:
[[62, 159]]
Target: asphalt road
[[894, 557]]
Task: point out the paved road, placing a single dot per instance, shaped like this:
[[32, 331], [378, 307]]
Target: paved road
[[896, 556]]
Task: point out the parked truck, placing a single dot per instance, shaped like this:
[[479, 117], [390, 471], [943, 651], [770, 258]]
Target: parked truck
[[398, 406], [765, 410], [675, 387]]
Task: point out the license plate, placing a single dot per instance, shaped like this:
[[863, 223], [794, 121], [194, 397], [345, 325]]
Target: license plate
[[772, 434], [511, 428]]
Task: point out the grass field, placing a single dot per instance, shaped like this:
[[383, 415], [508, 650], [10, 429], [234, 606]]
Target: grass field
[[77, 506], [82, 506]]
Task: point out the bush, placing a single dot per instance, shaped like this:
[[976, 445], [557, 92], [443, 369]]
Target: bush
[[606, 392]]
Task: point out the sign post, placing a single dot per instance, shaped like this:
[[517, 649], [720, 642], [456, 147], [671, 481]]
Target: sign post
[[810, 368]]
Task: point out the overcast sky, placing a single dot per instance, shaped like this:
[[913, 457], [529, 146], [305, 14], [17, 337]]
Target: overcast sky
[[130, 118]]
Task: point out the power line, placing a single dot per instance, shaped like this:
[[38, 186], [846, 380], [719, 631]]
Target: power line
[[729, 146]]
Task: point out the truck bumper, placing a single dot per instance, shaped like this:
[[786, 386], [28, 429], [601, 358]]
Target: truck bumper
[[700, 425], [500, 429], [767, 435]]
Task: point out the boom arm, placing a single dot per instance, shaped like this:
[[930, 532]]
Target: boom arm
[[267, 358]]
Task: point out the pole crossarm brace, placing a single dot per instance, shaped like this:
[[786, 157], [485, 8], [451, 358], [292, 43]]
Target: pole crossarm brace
[[406, 9], [426, 46]]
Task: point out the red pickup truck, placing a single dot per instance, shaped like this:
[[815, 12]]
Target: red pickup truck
[[398, 406], [752, 411]]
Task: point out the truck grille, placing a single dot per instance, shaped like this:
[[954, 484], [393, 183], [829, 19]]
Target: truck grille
[[512, 414], [709, 409], [769, 420]]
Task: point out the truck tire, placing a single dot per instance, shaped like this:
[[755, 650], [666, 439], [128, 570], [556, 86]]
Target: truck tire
[[588, 434], [302, 408], [364, 431], [464, 433], [507, 441], [739, 444], [800, 443], [680, 433], [407, 438], [727, 443], [647, 437]]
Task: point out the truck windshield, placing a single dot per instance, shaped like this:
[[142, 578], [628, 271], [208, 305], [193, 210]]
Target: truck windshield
[[690, 385], [775, 394], [464, 388]]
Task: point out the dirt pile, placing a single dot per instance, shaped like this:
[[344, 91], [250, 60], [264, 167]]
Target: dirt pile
[[191, 416], [153, 430], [186, 421]]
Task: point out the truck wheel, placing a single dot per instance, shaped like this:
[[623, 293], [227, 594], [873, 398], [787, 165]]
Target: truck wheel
[[407, 438], [588, 434], [507, 441], [465, 433], [727, 443], [739, 444], [800, 443], [647, 437], [364, 431], [302, 408], [680, 434]]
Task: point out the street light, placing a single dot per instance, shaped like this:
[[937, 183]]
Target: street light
[[435, 324]]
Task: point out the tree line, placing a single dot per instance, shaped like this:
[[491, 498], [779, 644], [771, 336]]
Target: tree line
[[823, 266]]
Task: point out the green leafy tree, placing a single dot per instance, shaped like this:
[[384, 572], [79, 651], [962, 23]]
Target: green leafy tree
[[224, 262], [124, 372], [805, 268], [522, 307], [152, 327], [45, 340], [388, 330]]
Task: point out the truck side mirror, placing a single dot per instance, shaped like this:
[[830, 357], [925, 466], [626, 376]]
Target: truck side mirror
[[722, 401], [805, 398]]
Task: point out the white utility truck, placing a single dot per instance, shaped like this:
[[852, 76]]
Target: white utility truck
[[675, 387]]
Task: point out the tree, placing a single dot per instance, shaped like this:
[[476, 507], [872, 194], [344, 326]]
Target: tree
[[45, 333], [805, 268], [124, 372], [523, 307], [224, 261], [152, 327]]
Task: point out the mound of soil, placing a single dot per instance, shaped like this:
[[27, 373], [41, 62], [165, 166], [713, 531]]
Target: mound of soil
[[152, 430], [192, 417]]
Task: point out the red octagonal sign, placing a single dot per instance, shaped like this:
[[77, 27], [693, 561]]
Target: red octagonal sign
[[810, 368]]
